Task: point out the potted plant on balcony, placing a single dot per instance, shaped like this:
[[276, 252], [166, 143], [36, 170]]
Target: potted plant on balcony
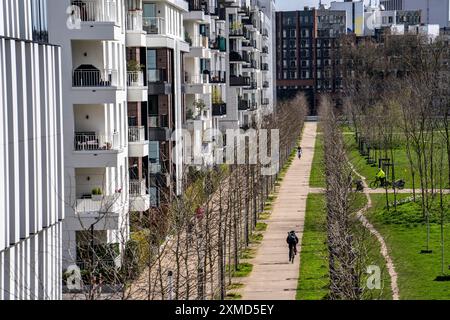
[[189, 114], [187, 38], [200, 107], [97, 194], [134, 68]]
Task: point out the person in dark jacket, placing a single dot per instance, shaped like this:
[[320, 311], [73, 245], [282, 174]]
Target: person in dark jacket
[[292, 241]]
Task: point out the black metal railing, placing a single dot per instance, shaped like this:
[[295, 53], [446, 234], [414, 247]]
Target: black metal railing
[[241, 81], [219, 109]]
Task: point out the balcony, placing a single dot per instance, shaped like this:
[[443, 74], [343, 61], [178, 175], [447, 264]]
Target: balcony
[[197, 84], [95, 86], [243, 105], [92, 149], [199, 48], [104, 210], [139, 197], [236, 57], [159, 134], [94, 78], [91, 141], [252, 65], [95, 10], [98, 20], [236, 32], [219, 43], [219, 109], [158, 82], [239, 81], [136, 36], [154, 25], [198, 11], [138, 146], [154, 168], [253, 85], [218, 77], [137, 90]]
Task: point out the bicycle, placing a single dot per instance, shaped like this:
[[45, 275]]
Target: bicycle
[[399, 184], [291, 254]]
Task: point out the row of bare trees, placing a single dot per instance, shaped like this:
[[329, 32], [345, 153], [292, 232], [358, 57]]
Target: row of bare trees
[[191, 247], [397, 98]]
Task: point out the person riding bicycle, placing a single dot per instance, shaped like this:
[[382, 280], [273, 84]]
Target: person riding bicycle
[[381, 176], [292, 241], [299, 152]]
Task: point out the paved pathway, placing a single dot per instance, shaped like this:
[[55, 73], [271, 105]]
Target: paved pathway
[[273, 277]]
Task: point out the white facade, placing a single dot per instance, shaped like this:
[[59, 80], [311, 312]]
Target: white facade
[[31, 155], [250, 63], [95, 121]]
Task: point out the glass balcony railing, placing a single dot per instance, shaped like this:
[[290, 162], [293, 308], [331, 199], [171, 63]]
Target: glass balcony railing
[[154, 25], [157, 75]]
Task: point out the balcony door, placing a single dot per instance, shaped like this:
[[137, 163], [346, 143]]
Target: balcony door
[[149, 10]]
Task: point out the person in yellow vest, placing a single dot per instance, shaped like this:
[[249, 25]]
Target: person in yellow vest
[[381, 176]]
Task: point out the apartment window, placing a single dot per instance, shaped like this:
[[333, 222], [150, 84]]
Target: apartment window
[[305, 74], [305, 33], [39, 20], [293, 64], [149, 10], [284, 74], [284, 33], [284, 63], [293, 33], [292, 53], [152, 106]]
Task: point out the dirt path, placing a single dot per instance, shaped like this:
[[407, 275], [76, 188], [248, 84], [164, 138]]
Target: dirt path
[[384, 251]]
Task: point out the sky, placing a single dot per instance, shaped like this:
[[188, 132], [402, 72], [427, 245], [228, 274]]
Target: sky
[[285, 5]]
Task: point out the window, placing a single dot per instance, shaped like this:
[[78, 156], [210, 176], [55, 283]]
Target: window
[[149, 10], [39, 20]]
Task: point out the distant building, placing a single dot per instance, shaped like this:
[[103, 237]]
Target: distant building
[[354, 15], [308, 53], [432, 11]]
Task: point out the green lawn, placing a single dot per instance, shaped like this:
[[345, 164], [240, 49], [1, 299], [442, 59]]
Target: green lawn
[[313, 279], [402, 166], [405, 235], [317, 179]]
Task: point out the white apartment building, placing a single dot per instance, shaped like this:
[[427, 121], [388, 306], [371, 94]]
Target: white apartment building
[[91, 34], [250, 63], [31, 155]]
